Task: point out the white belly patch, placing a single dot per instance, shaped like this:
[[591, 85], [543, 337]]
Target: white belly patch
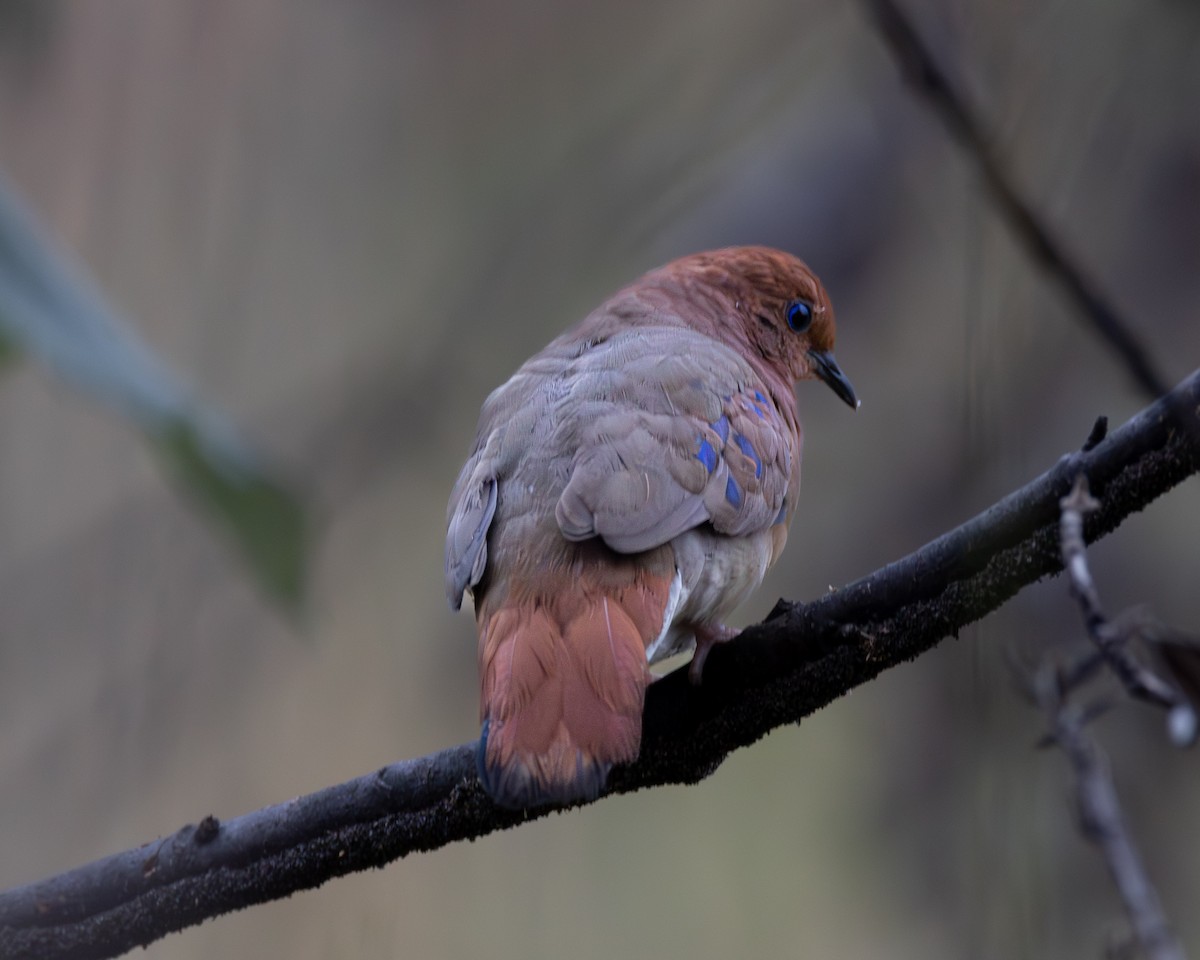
[[713, 575], [665, 645]]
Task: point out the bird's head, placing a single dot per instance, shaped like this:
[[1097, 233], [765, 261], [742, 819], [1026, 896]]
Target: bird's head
[[770, 303]]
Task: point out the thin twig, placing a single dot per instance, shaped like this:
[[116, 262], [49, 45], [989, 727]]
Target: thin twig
[[1102, 819], [1104, 824], [917, 60], [1112, 642], [800, 659]]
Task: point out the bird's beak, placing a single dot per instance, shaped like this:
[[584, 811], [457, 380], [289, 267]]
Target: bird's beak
[[825, 367]]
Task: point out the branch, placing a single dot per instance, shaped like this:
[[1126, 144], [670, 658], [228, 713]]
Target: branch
[[801, 658], [1104, 824], [1102, 819], [1039, 241], [1111, 640]]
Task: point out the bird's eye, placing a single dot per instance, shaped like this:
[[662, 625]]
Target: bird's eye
[[799, 315]]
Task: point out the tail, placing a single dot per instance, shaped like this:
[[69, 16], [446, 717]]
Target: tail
[[563, 682]]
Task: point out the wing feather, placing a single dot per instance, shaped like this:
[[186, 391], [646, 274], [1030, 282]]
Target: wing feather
[[679, 434]]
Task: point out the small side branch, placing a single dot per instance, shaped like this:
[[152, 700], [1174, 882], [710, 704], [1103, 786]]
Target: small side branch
[[1104, 824], [1102, 819], [1112, 639]]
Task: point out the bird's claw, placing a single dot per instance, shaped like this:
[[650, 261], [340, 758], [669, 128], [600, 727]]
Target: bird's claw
[[707, 637]]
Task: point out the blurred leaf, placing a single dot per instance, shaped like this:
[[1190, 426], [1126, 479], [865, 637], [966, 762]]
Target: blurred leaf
[[267, 521], [51, 311], [8, 352]]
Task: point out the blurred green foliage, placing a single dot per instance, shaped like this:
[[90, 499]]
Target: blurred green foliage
[[266, 521], [50, 311], [8, 352]]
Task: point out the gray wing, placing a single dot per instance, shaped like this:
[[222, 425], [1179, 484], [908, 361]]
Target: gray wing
[[472, 507], [634, 438], [672, 430]]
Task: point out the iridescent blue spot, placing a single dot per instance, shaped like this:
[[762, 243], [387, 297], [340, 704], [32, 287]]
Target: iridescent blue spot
[[782, 514], [732, 493], [762, 414], [707, 456], [748, 449], [721, 425], [759, 397]]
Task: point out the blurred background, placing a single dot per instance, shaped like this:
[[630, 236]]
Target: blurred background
[[344, 223]]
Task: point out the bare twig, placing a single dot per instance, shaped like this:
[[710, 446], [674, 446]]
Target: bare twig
[[1111, 640], [952, 107], [1102, 819], [782, 670], [1104, 824]]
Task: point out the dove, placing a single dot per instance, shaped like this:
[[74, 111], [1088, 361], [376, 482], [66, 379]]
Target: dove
[[629, 487]]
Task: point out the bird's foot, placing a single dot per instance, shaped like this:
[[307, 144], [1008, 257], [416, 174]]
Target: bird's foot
[[707, 636]]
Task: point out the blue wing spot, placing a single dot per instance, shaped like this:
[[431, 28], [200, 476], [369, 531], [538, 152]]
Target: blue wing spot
[[751, 405], [782, 515], [707, 456], [721, 425], [748, 449], [732, 493], [759, 397]]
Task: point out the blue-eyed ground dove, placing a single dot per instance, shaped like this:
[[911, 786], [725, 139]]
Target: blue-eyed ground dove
[[628, 487]]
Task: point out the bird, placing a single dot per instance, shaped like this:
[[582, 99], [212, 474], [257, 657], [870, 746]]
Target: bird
[[628, 487]]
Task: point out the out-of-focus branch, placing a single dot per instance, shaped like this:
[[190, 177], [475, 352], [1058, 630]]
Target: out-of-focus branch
[[1104, 824], [1102, 819], [1101, 812], [1035, 236], [1111, 638], [798, 660]]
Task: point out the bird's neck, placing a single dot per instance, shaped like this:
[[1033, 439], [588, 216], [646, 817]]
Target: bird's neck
[[655, 301]]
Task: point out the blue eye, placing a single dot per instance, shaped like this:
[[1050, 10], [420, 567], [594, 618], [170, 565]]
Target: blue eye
[[799, 315]]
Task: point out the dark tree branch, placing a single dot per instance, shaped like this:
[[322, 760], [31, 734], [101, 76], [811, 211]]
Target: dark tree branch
[[801, 658], [952, 106], [1102, 819]]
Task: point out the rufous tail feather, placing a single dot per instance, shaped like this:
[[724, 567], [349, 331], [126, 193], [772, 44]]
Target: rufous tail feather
[[564, 678]]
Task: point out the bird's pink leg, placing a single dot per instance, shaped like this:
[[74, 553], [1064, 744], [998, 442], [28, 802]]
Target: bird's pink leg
[[708, 635]]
